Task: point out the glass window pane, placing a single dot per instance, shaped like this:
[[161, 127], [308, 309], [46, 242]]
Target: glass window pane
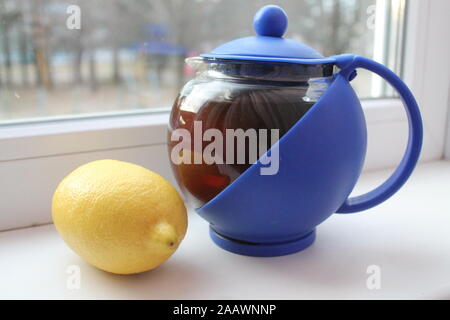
[[84, 57]]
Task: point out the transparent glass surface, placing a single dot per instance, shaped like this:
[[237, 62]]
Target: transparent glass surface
[[87, 57]]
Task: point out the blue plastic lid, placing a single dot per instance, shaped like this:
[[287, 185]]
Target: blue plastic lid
[[270, 24]]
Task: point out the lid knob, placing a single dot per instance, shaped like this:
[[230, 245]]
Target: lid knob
[[270, 21]]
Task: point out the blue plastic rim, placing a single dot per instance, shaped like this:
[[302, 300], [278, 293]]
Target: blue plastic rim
[[262, 249]]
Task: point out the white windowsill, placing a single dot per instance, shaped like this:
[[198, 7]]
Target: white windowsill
[[407, 237]]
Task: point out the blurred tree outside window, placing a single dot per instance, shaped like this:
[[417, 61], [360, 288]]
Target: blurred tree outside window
[[129, 55]]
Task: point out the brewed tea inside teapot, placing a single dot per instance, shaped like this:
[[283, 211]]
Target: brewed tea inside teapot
[[229, 95]]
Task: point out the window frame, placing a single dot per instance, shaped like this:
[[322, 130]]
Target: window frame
[[52, 148]]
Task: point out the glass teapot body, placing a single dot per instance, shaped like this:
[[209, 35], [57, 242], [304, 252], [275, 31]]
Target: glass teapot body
[[232, 112]]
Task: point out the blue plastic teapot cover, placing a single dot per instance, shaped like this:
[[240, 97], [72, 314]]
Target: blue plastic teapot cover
[[270, 24]]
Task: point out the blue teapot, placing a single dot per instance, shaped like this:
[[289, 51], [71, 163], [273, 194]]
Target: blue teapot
[[268, 201]]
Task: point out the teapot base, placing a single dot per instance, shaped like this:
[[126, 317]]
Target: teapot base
[[262, 249]]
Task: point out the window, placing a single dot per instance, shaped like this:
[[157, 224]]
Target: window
[[70, 96], [80, 57]]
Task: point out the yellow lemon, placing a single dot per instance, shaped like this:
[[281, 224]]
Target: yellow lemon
[[118, 216]]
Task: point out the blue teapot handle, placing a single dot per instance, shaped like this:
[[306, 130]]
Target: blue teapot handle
[[348, 64]]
